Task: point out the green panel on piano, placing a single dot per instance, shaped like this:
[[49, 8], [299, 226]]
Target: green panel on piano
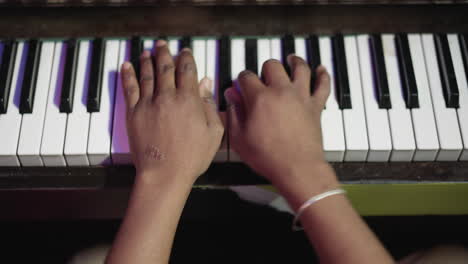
[[389, 199]]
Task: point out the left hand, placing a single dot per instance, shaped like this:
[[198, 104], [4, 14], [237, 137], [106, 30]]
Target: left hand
[[173, 127]]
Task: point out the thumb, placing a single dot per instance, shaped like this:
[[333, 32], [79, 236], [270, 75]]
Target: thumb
[[209, 105]]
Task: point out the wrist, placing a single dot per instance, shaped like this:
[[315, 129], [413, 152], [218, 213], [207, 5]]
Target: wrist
[[163, 177], [304, 182]]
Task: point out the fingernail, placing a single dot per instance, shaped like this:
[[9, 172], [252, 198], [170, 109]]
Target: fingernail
[[186, 50], [161, 43], [321, 70], [126, 65], [289, 58], [146, 54]]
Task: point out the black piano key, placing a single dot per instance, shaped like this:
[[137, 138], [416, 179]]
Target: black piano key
[[313, 58], [95, 80], [28, 89], [69, 75], [185, 42], [405, 65], [224, 70], [463, 39], [380, 72], [340, 68], [287, 48], [447, 72], [251, 62], [6, 73], [136, 48]]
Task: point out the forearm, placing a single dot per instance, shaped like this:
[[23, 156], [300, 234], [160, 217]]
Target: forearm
[[148, 229], [337, 232]]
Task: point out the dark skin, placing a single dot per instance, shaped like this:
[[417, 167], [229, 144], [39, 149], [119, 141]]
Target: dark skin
[[175, 131]]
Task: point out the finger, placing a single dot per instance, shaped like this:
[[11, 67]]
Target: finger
[[235, 104], [322, 85], [129, 85], [165, 68], [233, 116], [209, 104], [274, 74], [300, 74], [250, 85], [186, 72], [147, 75]]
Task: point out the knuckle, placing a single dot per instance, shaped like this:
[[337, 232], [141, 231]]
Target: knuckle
[[127, 76], [185, 97], [165, 91], [163, 101], [131, 89], [146, 78], [260, 98], [209, 99], [186, 67], [164, 68]]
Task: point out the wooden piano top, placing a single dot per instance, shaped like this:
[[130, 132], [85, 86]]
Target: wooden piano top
[[55, 3], [229, 20]]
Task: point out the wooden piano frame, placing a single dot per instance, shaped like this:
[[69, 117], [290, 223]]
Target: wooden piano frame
[[100, 192]]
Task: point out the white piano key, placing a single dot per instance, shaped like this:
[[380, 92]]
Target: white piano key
[[76, 138], [446, 118], [199, 54], [32, 124], [173, 46], [53, 135], [10, 122], [401, 125], [332, 118], [462, 112], [425, 129], [120, 148], [275, 47], [354, 119], [148, 44], [237, 57], [211, 72], [237, 66], [263, 53], [299, 43], [300, 46], [100, 130], [211, 56], [378, 128]]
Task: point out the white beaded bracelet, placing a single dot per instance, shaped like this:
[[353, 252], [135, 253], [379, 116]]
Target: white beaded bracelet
[[311, 201]]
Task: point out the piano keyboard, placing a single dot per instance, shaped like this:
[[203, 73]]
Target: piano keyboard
[[394, 97]]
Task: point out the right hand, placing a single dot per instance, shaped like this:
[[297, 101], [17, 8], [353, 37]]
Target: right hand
[[275, 123]]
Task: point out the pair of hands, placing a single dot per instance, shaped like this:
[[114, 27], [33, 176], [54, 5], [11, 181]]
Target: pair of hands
[[175, 130]]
